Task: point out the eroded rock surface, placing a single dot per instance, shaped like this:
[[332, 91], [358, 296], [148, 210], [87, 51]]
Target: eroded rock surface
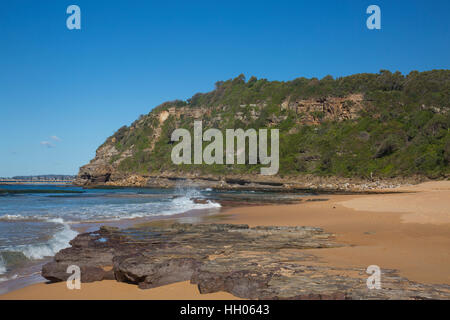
[[256, 263]]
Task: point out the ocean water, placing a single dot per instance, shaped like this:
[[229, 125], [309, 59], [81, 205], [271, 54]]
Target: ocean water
[[36, 221]]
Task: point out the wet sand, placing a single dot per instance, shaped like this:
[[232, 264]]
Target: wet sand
[[409, 232]]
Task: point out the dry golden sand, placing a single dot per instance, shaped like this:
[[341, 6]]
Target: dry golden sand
[[409, 232], [113, 290], [425, 203]]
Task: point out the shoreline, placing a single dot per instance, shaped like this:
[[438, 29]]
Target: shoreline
[[251, 182], [29, 274], [414, 242]]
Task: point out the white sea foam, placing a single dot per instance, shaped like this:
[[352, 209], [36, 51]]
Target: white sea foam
[[112, 212], [185, 204], [19, 217], [61, 238], [109, 208], [112, 209], [13, 277], [59, 241], [2, 265]]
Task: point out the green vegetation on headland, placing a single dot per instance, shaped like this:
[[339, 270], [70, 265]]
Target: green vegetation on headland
[[398, 127]]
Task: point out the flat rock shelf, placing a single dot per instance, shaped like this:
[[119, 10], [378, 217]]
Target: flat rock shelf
[[253, 263]]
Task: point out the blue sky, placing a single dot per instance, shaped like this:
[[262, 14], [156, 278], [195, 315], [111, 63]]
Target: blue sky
[[63, 92]]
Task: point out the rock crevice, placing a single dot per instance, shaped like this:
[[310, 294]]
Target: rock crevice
[[254, 263]]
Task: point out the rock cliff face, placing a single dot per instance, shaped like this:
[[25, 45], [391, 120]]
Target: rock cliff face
[[363, 127], [254, 263], [105, 167]]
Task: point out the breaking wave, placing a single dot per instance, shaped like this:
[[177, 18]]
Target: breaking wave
[[141, 210], [60, 240], [183, 204], [106, 212], [34, 226], [13, 277], [112, 212], [22, 218], [2, 265], [38, 226]]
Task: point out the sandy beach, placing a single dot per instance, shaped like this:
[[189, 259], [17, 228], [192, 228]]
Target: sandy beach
[[408, 231], [113, 290]]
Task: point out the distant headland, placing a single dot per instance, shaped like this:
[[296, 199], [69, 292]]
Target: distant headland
[[38, 179]]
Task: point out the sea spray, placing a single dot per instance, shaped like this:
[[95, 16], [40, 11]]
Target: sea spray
[[184, 202]]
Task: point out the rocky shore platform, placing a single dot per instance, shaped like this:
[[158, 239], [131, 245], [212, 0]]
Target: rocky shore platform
[[254, 263]]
